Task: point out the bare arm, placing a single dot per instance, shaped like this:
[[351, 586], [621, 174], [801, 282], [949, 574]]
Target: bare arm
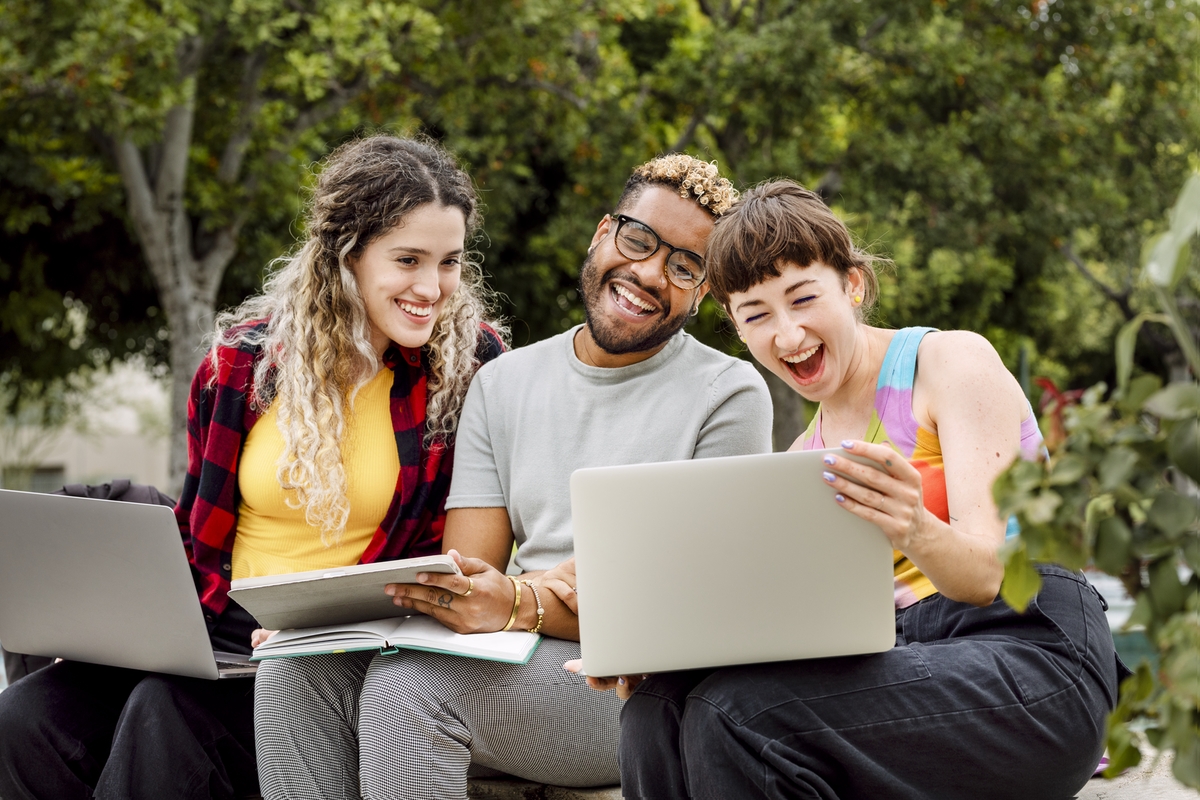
[[976, 409], [482, 598]]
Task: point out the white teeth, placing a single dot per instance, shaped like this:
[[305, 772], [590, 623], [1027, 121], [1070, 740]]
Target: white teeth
[[628, 295], [804, 356], [420, 311]]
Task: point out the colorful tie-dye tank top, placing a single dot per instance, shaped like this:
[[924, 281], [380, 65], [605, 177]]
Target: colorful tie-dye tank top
[[892, 423]]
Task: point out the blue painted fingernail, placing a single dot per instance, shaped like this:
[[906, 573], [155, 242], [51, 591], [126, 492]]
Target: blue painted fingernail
[[839, 498], [848, 444], [829, 476], [829, 459]]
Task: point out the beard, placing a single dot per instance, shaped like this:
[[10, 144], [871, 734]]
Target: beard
[[614, 335]]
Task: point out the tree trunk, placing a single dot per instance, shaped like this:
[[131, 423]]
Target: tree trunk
[[187, 283]]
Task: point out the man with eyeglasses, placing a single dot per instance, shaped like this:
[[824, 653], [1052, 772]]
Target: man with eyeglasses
[[628, 386]]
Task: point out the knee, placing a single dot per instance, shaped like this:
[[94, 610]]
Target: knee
[[21, 718], [649, 721], [401, 688]]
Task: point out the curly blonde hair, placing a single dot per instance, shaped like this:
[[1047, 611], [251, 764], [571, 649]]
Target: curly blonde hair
[[692, 178], [316, 348]]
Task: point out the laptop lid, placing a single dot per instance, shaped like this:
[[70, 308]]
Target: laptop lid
[[99, 581], [719, 561]]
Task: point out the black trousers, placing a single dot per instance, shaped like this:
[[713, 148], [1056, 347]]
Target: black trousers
[[972, 703], [75, 730]]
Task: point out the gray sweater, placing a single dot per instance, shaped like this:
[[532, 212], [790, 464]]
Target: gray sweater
[[536, 414]]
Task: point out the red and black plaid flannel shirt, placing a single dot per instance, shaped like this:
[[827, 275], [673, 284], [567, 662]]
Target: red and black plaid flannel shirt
[[219, 417]]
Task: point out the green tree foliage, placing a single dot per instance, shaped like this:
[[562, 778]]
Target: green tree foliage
[[1006, 153], [1119, 491], [200, 117]]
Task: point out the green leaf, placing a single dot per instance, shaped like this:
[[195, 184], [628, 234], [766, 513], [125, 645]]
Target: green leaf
[[1165, 589], [1116, 467], [1125, 344], [1040, 510], [1162, 267], [1186, 766], [1139, 390], [1143, 611], [1176, 401], [1183, 668], [1021, 580], [1172, 513], [1113, 545], [1122, 751], [1183, 447], [1191, 553], [1070, 468]]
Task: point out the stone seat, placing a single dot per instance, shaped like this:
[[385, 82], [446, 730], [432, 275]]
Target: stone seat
[[1147, 781], [513, 789]]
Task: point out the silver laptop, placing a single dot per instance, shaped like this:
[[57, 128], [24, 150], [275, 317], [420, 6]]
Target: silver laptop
[[719, 561], [104, 582]]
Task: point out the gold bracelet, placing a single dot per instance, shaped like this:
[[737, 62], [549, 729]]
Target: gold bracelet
[[516, 603], [537, 599]]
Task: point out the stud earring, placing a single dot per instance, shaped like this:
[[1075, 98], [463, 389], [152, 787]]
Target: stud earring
[[857, 298]]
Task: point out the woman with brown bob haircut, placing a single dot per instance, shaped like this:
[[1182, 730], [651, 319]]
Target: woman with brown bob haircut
[[975, 700]]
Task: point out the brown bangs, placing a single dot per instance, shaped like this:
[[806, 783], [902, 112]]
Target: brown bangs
[[777, 223]]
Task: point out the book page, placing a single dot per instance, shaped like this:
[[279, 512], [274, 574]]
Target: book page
[[423, 632]]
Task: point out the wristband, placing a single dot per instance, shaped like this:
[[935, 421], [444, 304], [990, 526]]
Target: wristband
[[537, 598], [516, 603]]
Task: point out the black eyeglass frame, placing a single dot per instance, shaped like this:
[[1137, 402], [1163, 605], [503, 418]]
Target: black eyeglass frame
[[660, 242]]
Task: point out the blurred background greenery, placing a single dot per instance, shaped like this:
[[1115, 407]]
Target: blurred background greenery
[[1010, 156]]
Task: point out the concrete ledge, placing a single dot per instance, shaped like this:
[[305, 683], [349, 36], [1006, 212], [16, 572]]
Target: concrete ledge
[[1146, 781], [510, 789]]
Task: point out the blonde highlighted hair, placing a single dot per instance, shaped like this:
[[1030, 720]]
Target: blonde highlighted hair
[[316, 350]]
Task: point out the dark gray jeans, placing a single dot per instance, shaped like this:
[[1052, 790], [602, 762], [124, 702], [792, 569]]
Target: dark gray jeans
[[971, 703]]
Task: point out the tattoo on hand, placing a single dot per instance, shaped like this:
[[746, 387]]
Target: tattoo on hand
[[887, 461], [445, 599]]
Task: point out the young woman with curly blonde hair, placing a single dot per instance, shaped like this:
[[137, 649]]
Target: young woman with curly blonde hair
[[320, 434]]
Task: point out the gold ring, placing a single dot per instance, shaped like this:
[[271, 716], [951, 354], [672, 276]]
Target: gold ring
[[470, 587]]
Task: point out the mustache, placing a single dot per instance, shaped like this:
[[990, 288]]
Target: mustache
[[617, 273]]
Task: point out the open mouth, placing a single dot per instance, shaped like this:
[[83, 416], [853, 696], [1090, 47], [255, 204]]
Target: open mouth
[[806, 365], [629, 302], [421, 312]]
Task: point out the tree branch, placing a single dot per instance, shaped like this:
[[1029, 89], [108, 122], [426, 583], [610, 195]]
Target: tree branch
[[877, 25], [554, 88], [250, 101], [1120, 298], [142, 211], [689, 132], [337, 99], [171, 170]]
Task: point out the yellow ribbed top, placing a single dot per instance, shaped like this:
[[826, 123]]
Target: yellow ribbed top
[[273, 538]]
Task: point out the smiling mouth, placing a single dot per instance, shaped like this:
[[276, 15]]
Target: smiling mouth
[[630, 303], [805, 365], [416, 311]]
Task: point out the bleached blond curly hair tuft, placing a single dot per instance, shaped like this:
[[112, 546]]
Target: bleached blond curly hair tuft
[[694, 179], [316, 344]]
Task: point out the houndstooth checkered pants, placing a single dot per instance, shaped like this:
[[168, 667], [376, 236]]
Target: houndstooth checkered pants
[[411, 725]]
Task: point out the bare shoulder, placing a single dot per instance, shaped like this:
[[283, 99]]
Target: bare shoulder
[[962, 370], [963, 352]]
